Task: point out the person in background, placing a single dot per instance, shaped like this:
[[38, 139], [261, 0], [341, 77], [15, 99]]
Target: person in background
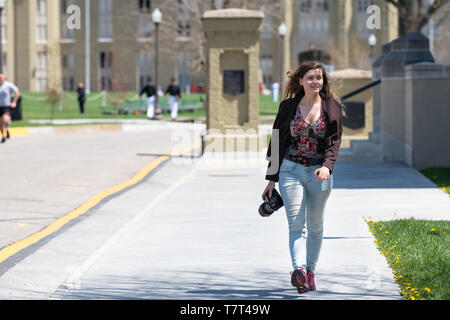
[[81, 96], [174, 97], [150, 91], [6, 102], [275, 91]]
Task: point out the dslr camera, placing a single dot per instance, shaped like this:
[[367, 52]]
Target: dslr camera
[[271, 204]]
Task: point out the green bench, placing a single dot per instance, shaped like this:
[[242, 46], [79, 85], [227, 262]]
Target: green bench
[[132, 107]]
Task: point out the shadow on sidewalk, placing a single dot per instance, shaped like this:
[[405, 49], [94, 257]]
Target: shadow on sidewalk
[[197, 285]]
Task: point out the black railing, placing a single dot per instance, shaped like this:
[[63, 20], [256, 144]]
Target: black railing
[[370, 85]]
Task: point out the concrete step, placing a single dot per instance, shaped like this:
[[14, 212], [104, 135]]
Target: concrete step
[[364, 146], [348, 155], [375, 136]]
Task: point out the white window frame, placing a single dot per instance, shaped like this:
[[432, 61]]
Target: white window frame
[[105, 21], [41, 21], [41, 71]]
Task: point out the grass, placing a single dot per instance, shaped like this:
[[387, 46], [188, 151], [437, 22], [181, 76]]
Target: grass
[[34, 107], [418, 253], [440, 176], [418, 250]]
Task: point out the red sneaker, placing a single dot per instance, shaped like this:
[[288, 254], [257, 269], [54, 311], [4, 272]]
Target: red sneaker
[[310, 281], [299, 280]]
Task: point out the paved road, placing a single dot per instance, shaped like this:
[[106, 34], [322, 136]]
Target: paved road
[[191, 231], [46, 176]]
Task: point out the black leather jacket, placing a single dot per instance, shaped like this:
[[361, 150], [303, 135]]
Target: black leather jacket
[[331, 142]]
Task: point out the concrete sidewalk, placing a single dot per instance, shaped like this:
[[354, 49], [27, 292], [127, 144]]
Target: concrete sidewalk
[[192, 231]]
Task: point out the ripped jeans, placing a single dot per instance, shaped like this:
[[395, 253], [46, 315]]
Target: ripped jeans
[[304, 200]]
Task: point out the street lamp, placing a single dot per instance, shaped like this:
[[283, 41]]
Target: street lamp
[[282, 29], [157, 18], [2, 6], [372, 43]]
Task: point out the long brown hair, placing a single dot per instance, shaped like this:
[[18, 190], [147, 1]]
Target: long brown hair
[[293, 88]]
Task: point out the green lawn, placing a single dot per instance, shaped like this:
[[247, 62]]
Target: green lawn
[[418, 250], [418, 253], [35, 107]]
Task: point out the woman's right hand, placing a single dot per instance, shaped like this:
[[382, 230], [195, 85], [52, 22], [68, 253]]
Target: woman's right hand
[[269, 188]]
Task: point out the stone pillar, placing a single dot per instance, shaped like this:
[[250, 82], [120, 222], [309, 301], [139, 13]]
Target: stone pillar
[[426, 113], [232, 100], [406, 50]]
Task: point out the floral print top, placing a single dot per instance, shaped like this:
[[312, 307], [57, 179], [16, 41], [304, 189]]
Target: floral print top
[[305, 147]]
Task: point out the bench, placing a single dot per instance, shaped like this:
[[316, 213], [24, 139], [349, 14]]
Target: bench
[[132, 107]]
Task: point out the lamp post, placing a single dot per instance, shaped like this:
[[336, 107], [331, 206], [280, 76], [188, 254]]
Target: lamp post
[[282, 29], [157, 17], [372, 43], [2, 6]]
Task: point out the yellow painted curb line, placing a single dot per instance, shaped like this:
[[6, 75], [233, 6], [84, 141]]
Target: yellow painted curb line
[[19, 132], [14, 248]]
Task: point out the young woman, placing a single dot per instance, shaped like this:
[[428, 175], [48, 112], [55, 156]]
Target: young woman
[[306, 138]]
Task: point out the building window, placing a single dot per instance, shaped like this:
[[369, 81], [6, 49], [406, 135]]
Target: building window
[[144, 19], [361, 18], [5, 63], [183, 22], [68, 70], [308, 6], [106, 71], [363, 5], [145, 6], [41, 21], [4, 23], [183, 67], [66, 33], [105, 20], [305, 6], [144, 68], [41, 71], [266, 65]]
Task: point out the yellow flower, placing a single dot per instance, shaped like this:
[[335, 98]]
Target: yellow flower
[[394, 246], [387, 232], [433, 229], [427, 290], [375, 240], [435, 285], [412, 298]]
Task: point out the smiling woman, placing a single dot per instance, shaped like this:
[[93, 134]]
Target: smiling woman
[[309, 130]]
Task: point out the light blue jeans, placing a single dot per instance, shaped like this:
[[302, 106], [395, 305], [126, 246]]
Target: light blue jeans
[[304, 200]]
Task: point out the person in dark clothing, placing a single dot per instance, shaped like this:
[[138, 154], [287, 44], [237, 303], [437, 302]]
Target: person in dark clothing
[[174, 93], [150, 91], [81, 96]]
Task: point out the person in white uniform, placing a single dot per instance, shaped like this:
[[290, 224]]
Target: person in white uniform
[[150, 91], [174, 93], [275, 91], [7, 89]]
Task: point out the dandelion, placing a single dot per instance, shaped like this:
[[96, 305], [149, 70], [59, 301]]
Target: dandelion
[[433, 229], [387, 232], [427, 290]]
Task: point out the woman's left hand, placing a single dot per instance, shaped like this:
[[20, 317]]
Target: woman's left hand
[[322, 174]]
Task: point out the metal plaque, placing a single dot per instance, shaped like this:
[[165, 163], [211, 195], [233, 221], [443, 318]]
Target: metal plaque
[[233, 82]]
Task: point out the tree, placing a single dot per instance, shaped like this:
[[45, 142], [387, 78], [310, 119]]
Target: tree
[[413, 15]]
